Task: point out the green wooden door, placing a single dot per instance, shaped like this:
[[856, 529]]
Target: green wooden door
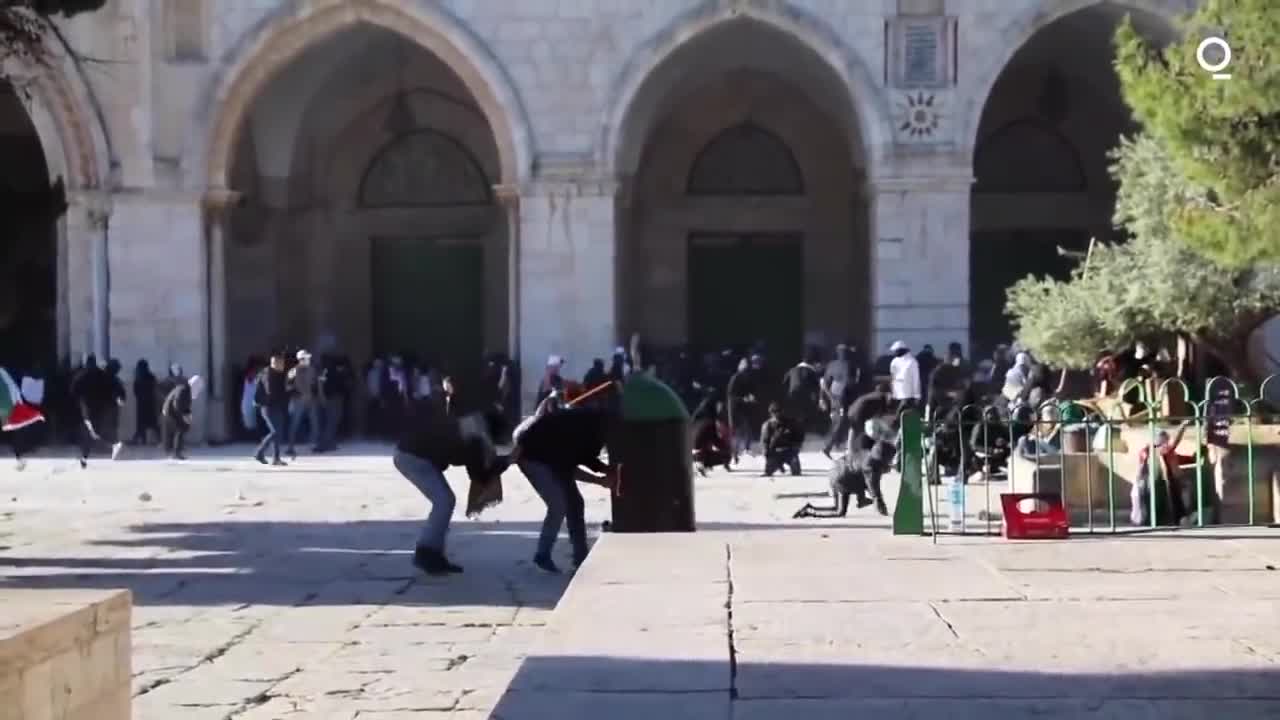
[[743, 289], [428, 299]]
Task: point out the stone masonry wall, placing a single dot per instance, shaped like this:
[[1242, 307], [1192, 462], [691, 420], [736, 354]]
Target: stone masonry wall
[[567, 267], [65, 654]]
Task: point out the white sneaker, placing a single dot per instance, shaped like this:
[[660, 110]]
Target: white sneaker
[[115, 450], [22, 464]]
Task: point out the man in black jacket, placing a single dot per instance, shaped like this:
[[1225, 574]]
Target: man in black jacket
[[782, 436], [175, 413], [92, 392], [549, 453], [271, 397], [435, 442]]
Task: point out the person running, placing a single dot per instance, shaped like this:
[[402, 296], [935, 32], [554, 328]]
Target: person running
[[175, 412], [17, 419], [549, 453], [434, 442], [92, 393], [271, 397]]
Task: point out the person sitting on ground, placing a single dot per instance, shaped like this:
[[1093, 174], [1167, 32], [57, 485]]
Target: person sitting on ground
[[781, 437], [712, 439]]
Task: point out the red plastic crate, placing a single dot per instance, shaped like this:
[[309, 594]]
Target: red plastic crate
[[1047, 519]]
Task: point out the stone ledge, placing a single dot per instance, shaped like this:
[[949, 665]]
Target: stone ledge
[[65, 654]]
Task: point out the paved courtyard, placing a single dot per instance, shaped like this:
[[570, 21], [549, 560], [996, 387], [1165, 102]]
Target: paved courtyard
[[268, 593], [287, 593]]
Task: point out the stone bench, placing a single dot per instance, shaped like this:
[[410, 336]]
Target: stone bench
[[65, 654], [639, 601]]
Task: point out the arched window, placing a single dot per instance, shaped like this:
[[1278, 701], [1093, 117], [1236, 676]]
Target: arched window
[[424, 168], [745, 159], [1027, 156]]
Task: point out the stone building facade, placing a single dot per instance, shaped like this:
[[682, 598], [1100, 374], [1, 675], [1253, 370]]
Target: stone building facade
[[548, 176]]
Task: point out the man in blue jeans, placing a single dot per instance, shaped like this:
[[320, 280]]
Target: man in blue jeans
[[271, 397], [435, 442], [550, 452]]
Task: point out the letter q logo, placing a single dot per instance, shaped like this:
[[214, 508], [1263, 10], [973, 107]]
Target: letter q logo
[[1214, 69]]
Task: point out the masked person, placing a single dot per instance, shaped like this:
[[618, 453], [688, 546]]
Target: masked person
[[782, 437], [91, 390], [175, 412], [435, 442], [550, 452]]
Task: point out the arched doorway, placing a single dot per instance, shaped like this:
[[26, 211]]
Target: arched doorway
[[743, 221], [1042, 187], [369, 224], [30, 205]]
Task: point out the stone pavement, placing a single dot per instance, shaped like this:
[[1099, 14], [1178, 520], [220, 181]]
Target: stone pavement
[[851, 623], [266, 593]]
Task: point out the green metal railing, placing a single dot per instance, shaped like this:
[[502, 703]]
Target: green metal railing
[[1224, 406]]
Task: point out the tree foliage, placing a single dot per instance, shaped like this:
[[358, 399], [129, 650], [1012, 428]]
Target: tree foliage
[[26, 27], [1223, 135], [1152, 285]]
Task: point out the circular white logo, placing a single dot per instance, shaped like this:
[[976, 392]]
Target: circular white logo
[[1205, 64]]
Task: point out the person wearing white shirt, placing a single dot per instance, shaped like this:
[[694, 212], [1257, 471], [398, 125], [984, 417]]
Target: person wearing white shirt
[[904, 373], [1017, 378]]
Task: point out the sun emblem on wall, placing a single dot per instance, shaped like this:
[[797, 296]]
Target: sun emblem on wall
[[919, 115]]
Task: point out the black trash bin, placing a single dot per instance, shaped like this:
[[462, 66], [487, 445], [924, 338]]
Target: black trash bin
[[654, 489]]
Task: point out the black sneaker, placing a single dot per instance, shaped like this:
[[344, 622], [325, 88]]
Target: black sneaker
[[881, 508], [864, 501], [545, 564], [802, 512], [279, 463], [84, 463], [827, 452], [451, 567], [430, 561], [579, 559]]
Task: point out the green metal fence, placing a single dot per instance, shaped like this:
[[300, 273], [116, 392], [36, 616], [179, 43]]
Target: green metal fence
[[1090, 453]]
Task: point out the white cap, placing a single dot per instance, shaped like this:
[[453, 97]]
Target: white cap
[[196, 383], [303, 355], [897, 345], [555, 361], [619, 350], [1022, 359]]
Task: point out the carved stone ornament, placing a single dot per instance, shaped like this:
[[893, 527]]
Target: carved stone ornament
[[918, 116]]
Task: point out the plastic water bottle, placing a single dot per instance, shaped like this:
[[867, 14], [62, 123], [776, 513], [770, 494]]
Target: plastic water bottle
[[955, 502]]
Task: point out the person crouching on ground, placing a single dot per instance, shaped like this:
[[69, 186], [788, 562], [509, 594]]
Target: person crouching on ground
[[712, 438], [175, 412], [549, 453], [781, 436], [434, 442]]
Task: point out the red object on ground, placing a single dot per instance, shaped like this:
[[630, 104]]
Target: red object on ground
[[1045, 518]]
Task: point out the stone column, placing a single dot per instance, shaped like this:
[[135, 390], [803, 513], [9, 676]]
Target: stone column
[[509, 198], [566, 284], [920, 246], [217, 207], [100, 274]]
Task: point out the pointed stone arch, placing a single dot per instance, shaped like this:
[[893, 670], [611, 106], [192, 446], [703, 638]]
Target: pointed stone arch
[[220, 118], [626, 122]]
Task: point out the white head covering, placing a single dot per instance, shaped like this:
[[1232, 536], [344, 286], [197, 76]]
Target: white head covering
[[555, 361], [1022, 359], [196, 383], [303, 355], [897, 345]]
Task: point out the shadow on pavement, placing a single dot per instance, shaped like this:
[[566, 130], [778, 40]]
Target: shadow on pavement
[[571, 686], [284, 563]]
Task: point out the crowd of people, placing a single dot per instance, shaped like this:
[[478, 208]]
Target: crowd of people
[[739, 401]]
